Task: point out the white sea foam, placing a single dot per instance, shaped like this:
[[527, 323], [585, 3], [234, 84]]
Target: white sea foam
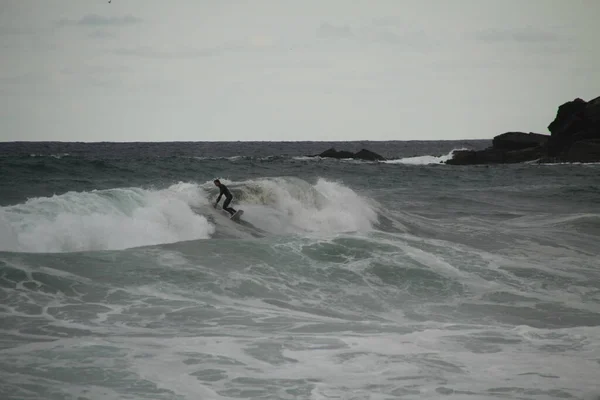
[[104, 220], [307, 158], [304, 330], [57, 156], [423, 160], [288, 205]]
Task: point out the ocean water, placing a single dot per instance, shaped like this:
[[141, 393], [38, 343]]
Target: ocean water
[[342, 280]]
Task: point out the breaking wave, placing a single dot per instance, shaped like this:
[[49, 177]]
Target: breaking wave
[[424, 160], [116, 219]]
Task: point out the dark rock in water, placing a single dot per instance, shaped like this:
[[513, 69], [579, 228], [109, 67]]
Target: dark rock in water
[[518, 140], [584, 151], [510, 147], [495, 156], [574, 137], [364, 154], [463, 157], [333, 153]]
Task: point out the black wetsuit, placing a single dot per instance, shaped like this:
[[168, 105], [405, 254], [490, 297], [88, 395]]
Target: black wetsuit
[[228, 197]]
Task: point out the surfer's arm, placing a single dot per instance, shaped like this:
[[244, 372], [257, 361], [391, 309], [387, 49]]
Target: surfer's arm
[[219, 198]]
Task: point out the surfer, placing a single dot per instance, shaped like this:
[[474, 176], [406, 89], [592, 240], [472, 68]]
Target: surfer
[[228, 197]]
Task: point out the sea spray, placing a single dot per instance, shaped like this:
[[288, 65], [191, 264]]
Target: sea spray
[[104, 220], [292, 205]]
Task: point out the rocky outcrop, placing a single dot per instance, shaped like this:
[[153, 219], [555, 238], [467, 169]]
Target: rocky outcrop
[[333, 153], [518, 141], [495, 156], [576, 123], [574, 137], [584, 151], [368, 155], [364, 154]]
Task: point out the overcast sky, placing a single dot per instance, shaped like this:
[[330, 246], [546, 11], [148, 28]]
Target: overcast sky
[[144, 70]]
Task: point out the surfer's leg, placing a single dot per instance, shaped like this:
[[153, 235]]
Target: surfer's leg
[[227, 208]]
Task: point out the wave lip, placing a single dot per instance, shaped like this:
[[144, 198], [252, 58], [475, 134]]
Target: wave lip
[[111, 219], [423, 160]]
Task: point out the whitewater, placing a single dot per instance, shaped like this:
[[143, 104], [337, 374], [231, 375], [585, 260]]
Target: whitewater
[[343, 279]]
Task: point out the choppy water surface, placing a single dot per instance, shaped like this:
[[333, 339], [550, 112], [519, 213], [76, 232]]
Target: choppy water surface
[[343, 280]]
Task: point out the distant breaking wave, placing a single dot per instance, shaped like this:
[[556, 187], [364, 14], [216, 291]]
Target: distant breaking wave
[[416, 160], [423, 160]]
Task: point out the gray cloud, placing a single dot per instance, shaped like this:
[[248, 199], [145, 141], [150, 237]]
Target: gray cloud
[[99, 20], [101, 34], [382, 31], [94, 69], [17, 84], [526, 35], [20, 79], [327, 30], [147, 52], [101, 76], [415, 40], [391, 21], [17, 31]]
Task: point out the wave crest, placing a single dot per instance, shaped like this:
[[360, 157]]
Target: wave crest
[[104, 220]]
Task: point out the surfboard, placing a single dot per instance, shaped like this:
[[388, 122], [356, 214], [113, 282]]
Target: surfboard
[[236, 216]]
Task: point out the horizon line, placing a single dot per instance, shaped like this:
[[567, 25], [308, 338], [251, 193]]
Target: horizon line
[[245, 141]]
